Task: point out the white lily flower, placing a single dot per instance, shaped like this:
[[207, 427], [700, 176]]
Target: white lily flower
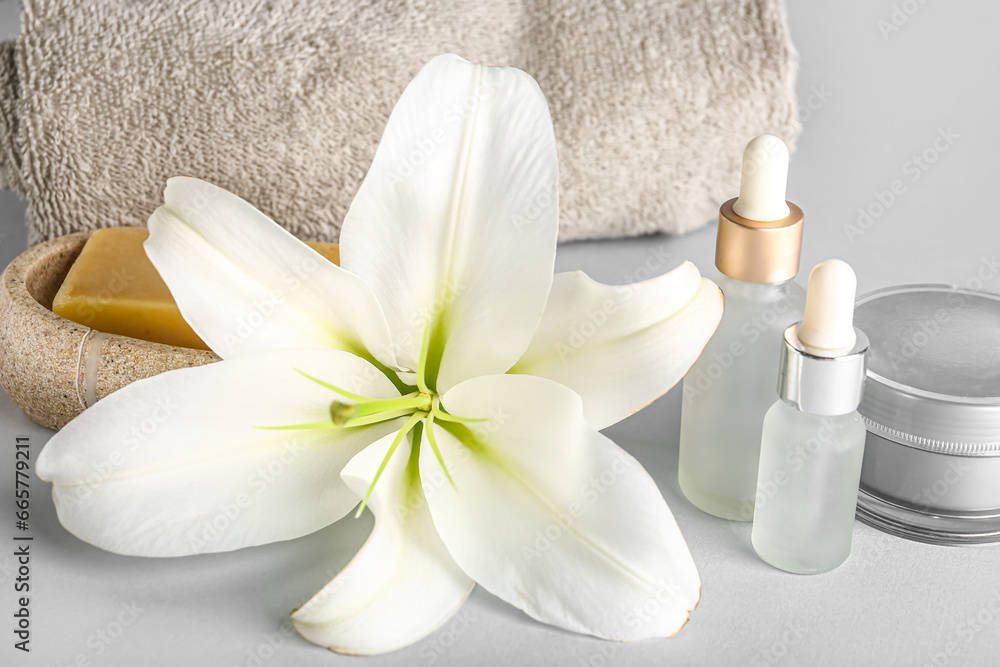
[[440, 375]]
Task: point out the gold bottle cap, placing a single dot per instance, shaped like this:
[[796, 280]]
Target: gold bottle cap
[[760, 234], [758, 252]]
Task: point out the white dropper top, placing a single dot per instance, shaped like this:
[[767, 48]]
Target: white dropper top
[[762, 185], [827, 330]]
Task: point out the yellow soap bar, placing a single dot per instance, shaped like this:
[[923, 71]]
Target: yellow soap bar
[[113, 287]]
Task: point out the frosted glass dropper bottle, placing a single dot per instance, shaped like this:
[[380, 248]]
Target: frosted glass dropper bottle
[[731, 386], [813, 438]]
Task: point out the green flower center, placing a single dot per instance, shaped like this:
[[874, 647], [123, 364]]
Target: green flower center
[[422, 406]]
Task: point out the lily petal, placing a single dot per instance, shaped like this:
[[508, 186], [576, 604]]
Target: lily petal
[[403, 583], [553, 517], [176, 464], [455, 225], [246, 286], [622, 347]]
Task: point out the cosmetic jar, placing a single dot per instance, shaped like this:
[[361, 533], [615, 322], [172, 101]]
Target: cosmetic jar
[[931, 407]]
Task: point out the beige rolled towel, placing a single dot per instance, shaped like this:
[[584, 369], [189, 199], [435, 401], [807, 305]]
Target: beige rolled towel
[[283, 101]]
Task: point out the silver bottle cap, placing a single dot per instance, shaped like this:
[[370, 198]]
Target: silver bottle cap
[[825, 386]]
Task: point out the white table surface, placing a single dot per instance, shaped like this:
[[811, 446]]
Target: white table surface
[[877, 100]]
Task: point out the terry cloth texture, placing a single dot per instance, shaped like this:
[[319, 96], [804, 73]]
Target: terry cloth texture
[[284, 101]]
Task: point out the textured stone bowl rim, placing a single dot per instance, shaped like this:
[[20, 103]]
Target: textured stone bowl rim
[[30, 330]]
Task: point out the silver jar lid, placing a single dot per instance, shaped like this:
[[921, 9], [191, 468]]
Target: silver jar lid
[[934, 368]]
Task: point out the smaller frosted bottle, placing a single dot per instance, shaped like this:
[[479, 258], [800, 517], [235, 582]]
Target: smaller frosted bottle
[[813, 438]]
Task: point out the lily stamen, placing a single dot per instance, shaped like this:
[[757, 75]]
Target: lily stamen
[[439, 413], [415, 401], [377, 418], [407, 427], [429, 429], [357, 398], [350, 414], [294, 427], [425, 346]]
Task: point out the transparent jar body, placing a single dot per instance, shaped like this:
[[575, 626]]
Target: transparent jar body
[[807, 488], [728, 390]]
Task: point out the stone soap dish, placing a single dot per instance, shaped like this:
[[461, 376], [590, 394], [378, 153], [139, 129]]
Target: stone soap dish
[[53, 368]]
